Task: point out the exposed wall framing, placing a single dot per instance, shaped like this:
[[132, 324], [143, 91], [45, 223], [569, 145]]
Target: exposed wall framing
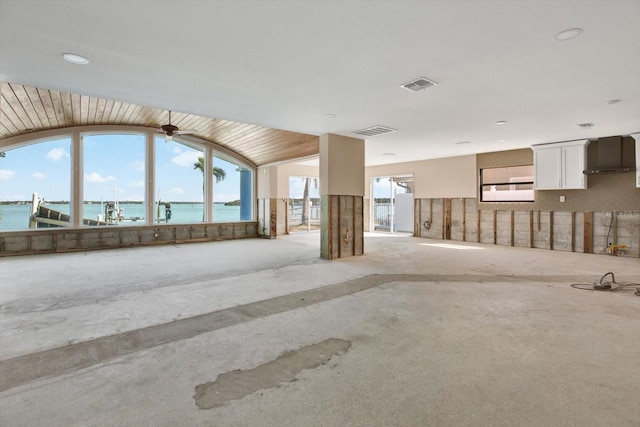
[[588, 232], [52, 240], [342, 233]]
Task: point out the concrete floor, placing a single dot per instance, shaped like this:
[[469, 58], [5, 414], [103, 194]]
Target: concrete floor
[[264, 333]]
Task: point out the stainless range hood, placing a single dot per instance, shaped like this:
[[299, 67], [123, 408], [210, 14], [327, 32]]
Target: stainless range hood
[[610, 155]]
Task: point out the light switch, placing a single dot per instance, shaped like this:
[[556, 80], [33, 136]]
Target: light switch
[[561, 199]]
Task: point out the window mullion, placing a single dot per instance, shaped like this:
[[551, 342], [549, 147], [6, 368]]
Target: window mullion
[[208, 184], [77, 168]]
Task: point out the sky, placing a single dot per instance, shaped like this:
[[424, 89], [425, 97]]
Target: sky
[[296, 187], [114, 166], [382, 187]]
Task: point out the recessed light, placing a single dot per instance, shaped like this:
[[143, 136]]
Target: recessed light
[[329, 116], [75, 59], [500, 122], [613, 101], [569, 34], [388, 154], [463, 142], [502, 140], [586, 125]]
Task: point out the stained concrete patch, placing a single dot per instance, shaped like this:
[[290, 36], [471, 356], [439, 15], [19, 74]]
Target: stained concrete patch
[[237, 384], [62, 360]]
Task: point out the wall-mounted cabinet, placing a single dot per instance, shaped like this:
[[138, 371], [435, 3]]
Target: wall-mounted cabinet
[[560, 166]]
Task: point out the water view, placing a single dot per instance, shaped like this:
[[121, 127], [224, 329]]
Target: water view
[[16, 216]]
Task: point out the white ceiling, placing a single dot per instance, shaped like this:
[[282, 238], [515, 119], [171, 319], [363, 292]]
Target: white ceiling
[[287, 64]]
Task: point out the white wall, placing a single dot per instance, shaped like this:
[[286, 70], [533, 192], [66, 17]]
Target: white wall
[[403, 220]]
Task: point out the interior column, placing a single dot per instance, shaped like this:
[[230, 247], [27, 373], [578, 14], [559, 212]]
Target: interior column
[[341, 194], [267, 201], [246, 205]]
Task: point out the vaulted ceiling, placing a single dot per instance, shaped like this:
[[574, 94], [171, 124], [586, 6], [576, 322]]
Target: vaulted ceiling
[[265, 78], [27, 109]]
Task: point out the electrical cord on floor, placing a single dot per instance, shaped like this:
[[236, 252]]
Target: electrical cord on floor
[[604, 285]]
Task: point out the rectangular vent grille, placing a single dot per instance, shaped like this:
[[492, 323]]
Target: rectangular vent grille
[[375, 130], [403, 178], [419, 84]]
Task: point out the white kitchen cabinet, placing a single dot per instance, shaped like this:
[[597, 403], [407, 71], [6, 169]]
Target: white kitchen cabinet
[[560, 166], [547, 168]]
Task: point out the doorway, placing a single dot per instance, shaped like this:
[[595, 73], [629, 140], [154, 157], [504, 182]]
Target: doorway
[[392, 204], [303, 207]]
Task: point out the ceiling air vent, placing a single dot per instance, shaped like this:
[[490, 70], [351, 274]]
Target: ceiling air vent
[[585, 125], [419, 84], [374, 130]]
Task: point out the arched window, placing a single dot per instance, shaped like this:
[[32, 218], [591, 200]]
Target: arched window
[[113, 179], [96, 176], [179, 190], [30, 174], [232, 190]]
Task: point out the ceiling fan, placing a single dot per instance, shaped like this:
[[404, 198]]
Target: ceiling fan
[[170, 130]]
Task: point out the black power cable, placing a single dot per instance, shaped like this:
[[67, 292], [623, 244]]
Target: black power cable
[[609, 233]]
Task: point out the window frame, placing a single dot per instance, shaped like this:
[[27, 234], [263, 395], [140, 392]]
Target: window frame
[[76, 199], [243, 164], [483, 185]]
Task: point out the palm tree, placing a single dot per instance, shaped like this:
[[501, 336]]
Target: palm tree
[[306, 214], [218, 173]]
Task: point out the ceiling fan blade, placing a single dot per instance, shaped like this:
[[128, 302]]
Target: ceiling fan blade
[[185, 131]]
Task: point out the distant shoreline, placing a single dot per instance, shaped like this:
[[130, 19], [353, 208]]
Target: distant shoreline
[[128, 202]]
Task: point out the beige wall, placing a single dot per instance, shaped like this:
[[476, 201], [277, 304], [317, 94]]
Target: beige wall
[[498, 159], [286, 171], [273, 181], [448, 177], [615, 192], [273, 191], [341, 165], [267, 182]]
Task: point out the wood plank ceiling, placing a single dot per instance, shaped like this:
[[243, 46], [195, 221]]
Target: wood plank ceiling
[[25, 109]]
